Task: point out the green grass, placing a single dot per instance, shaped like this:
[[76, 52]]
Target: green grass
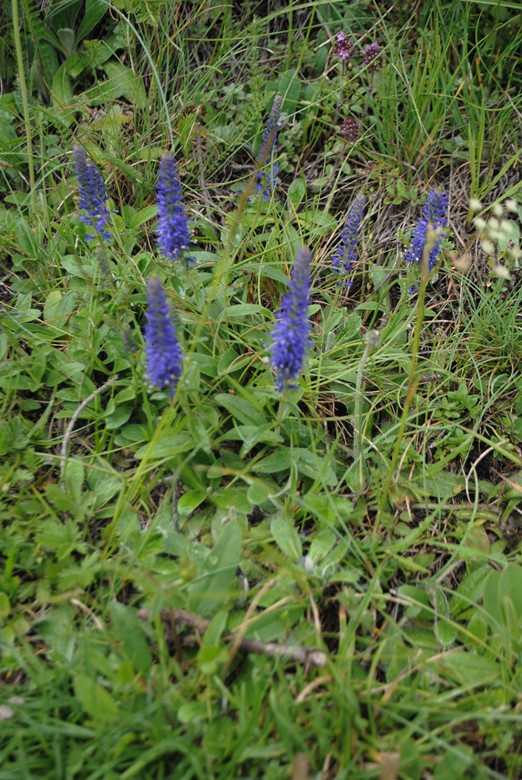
[[373, 514]]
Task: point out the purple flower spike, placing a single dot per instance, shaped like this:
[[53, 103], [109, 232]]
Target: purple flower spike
[[434, 213], [173, 231], [163, 354], [291, 332], [371, 55], [343, 47], [346, 253], [267, 179], [350, 129], [92, 195]]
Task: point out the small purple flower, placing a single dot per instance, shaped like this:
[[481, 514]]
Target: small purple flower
[[346, 253], [343, 47], [433, 213], [370, 56], [164, 358], [173, 231], [267, 179], [350, 129], [92, 195], [291, 332]]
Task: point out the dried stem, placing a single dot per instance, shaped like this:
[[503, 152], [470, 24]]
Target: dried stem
[[304, 655]]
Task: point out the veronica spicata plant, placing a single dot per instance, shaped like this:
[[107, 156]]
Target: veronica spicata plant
[[346, 253], [291, 332], [164, 359], [266, 179], [173, 230], [434, 214], [92, 195]]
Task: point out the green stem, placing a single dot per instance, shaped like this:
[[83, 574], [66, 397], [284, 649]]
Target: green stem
[[413, 379], [25, 100], [372, 341]]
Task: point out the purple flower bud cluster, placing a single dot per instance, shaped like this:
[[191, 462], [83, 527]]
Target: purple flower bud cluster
[[350, 129], [433, 213], [164, 359], [371, 56], [344, 48], [173, 230], [291, 332], [92, 195], [346, 253], [267, 178]]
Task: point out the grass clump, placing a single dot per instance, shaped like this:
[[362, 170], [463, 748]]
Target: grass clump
[[261, 472]]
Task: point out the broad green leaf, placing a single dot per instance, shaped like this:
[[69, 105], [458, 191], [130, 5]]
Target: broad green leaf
[[121, 82], [286, 537], [94, 12], [5, 606], [62, 96], [297, 191], [256, 434], [66, 37], [468, 668], [95, 700], [273, 463], [190, 501], [322, 543], [129, 630], [58, 307], [212, 588], [168, 447], [312, 465], [241, 409], [241, 310], [74, 477], [139, 218]]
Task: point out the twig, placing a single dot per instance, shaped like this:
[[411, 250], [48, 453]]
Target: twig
[[72, 423], [305, 655]]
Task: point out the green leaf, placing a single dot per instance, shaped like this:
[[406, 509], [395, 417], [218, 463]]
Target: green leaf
[[241, 409], [5, 606], [241, 310], [122, 82], [322, 543], [212, 588], [74, 477], [58, 307], [62, 96], [273, 463], [94, 12], [297, 191], [469, 669], [139, 218], [167, 447], [95, 700], [66, 37], [286, 537], [190, 501], [130, 631], [312, 465], [256, 434]]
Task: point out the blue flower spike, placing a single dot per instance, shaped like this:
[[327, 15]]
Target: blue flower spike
[[434, 214], [92, 195], [346, 253], [267, 179], [291, 332], [173, 231], [164, 359]]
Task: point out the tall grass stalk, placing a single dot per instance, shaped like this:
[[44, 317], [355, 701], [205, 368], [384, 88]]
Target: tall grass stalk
[[413, 379], [25, 101]]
